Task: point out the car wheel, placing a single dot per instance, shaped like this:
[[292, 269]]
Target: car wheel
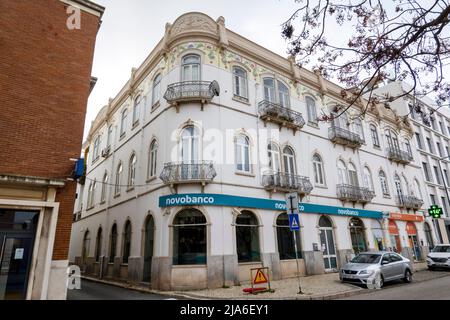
[[431, 268], [408, 276], [381, 281]]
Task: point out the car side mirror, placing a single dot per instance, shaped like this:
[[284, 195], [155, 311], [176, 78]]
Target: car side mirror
[[384, 262]]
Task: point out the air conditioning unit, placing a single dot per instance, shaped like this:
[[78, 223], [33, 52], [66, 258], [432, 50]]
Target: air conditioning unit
[[105, 152]]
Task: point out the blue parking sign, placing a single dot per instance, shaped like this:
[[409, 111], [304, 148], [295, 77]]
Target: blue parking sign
[[294, 222]]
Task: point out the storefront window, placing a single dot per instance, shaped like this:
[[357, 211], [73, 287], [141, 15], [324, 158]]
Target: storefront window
[[357, 235], [395, 238], [247, 237], [189, 238], [413, 240], [285, 239], [377, 232]]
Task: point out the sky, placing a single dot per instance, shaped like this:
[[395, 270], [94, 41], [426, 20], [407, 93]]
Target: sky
[[131, 29]]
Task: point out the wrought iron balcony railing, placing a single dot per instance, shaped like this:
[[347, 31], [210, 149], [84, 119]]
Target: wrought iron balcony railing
[[409, 202], [345, 137], [274, 112], [399, 156], [352, 193], [188, 172], [191, 91], [286, 182]]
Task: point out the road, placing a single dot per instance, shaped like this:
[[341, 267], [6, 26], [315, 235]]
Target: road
[[98, 291], [433, 289]]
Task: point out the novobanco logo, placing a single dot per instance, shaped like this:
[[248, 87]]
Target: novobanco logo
[[186, 199]]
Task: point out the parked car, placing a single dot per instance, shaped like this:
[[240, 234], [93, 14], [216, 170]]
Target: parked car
[[439, 257], [364, 266]]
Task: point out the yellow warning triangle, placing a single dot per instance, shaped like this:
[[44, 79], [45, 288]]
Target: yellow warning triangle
[[260, 277]]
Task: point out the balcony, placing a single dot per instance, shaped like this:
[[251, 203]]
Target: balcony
[[175, 173], [284, 117], [191, 91], [286, 182], [345, 137], [400, 156], [347, 192], [409, 202]]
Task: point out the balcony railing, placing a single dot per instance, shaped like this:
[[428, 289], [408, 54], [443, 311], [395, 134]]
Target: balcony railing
[[191, 91], [352, 193], [274, 112], [188, 172], [399, 156], [286, 182], [409, 202], [345, 137]]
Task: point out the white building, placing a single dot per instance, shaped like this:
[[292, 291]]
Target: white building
[[188, 166]]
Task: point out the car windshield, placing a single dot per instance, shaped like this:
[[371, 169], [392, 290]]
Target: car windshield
[[441, 249], [366, 258]]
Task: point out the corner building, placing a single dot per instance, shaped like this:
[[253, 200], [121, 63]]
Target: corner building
[[188, 166]]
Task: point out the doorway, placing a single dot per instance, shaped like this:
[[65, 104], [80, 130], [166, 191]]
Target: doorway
[[148, 248], [328, 244], [395, 237], [359, 243]]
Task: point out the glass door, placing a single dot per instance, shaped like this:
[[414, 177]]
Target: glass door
[[329, 251]]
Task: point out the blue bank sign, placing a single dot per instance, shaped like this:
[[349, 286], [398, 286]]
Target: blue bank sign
[[211, 199]]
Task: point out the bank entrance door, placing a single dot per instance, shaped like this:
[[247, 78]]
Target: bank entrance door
[[17, 231]]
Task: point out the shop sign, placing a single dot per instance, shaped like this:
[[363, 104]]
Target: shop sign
[[211, 199], [406, 217]]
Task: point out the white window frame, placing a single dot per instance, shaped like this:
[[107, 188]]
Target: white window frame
[[318, 168], [240, 82], [132, 171], [152, 159], [156, 92], [244, 149]]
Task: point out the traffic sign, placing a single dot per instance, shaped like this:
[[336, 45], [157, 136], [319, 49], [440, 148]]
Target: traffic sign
[[260, 277], [294, 222], [435, 211], [291, 202]]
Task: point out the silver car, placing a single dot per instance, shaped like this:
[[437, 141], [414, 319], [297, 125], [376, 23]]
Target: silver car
[[390, 266]]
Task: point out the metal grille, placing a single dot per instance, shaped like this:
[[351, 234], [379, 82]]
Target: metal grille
[[275, 112], [183, 172], [285, 181]]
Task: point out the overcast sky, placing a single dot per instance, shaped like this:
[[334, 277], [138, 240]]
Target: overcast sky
[[132, 28]]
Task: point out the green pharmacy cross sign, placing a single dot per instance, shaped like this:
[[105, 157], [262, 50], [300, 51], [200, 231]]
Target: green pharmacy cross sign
[[435, 211]]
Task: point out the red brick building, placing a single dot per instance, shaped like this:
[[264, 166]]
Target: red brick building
[[46, 54]]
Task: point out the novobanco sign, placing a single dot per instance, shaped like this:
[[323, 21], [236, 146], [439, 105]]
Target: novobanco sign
[[210, 199]]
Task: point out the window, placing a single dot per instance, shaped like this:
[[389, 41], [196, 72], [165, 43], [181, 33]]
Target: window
[[368, 183], [377, 232], [190, 139], [98, 244], [356, 227], [444, 204], [118, 179], [104, 187], [433, 199], [113, 244], [136, 109], [352, 175], [123, 123], [419, 140], [190, 68], [289, 161], [311, 108], [441, 126], [398, 185], [433, 122], [152, 158], [132, 171], [247, 237], [447, 151], [430, 146], [243, 153], [319, 177], [342, 172], [109, 138], [91, 193], [240, 82], [374, 133], [273, 152], [270, 92], [392, 140], [156, 93], [426, 172], [408, 148], [285, 239], [126, 242], [283, 94], [428, 236], [86, 246], [341, 121], [437, 174], [383, 183], [269, 89], [96, 150], [439, 148], [417, 191], [358, 128], [189, 238], [446, 177]]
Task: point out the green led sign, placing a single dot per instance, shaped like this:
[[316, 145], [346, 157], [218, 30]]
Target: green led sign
[[435, 211]]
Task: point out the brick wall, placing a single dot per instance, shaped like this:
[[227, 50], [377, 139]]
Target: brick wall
[[45, 71]]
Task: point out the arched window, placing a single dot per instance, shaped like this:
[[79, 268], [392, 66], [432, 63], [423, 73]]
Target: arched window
[[428, 235], [126, 241], [352, 175], [285, 239], [123, 122], [269, 89], [91, 193], [136, 109], [283, 95], [243, 153], [311, 109], [374, 134], [289, 161], [132, 171], [104, 187], [358, 128], [156, 93], [383, 183], [392, 140], [86, 246], [113, 243], [357, 235], [319, 176], [152, 158], [118, 179], [341, 120], [110, 133], [96, 150], [368, 182], [149, 230], [273, 152], [247, 237], [325, 222], [240, 82], [98, 244], [190, 68], [189, 237], [405, 186], [398, 185], [342, 172], [190, 144], [408, 148], [417, 191]]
